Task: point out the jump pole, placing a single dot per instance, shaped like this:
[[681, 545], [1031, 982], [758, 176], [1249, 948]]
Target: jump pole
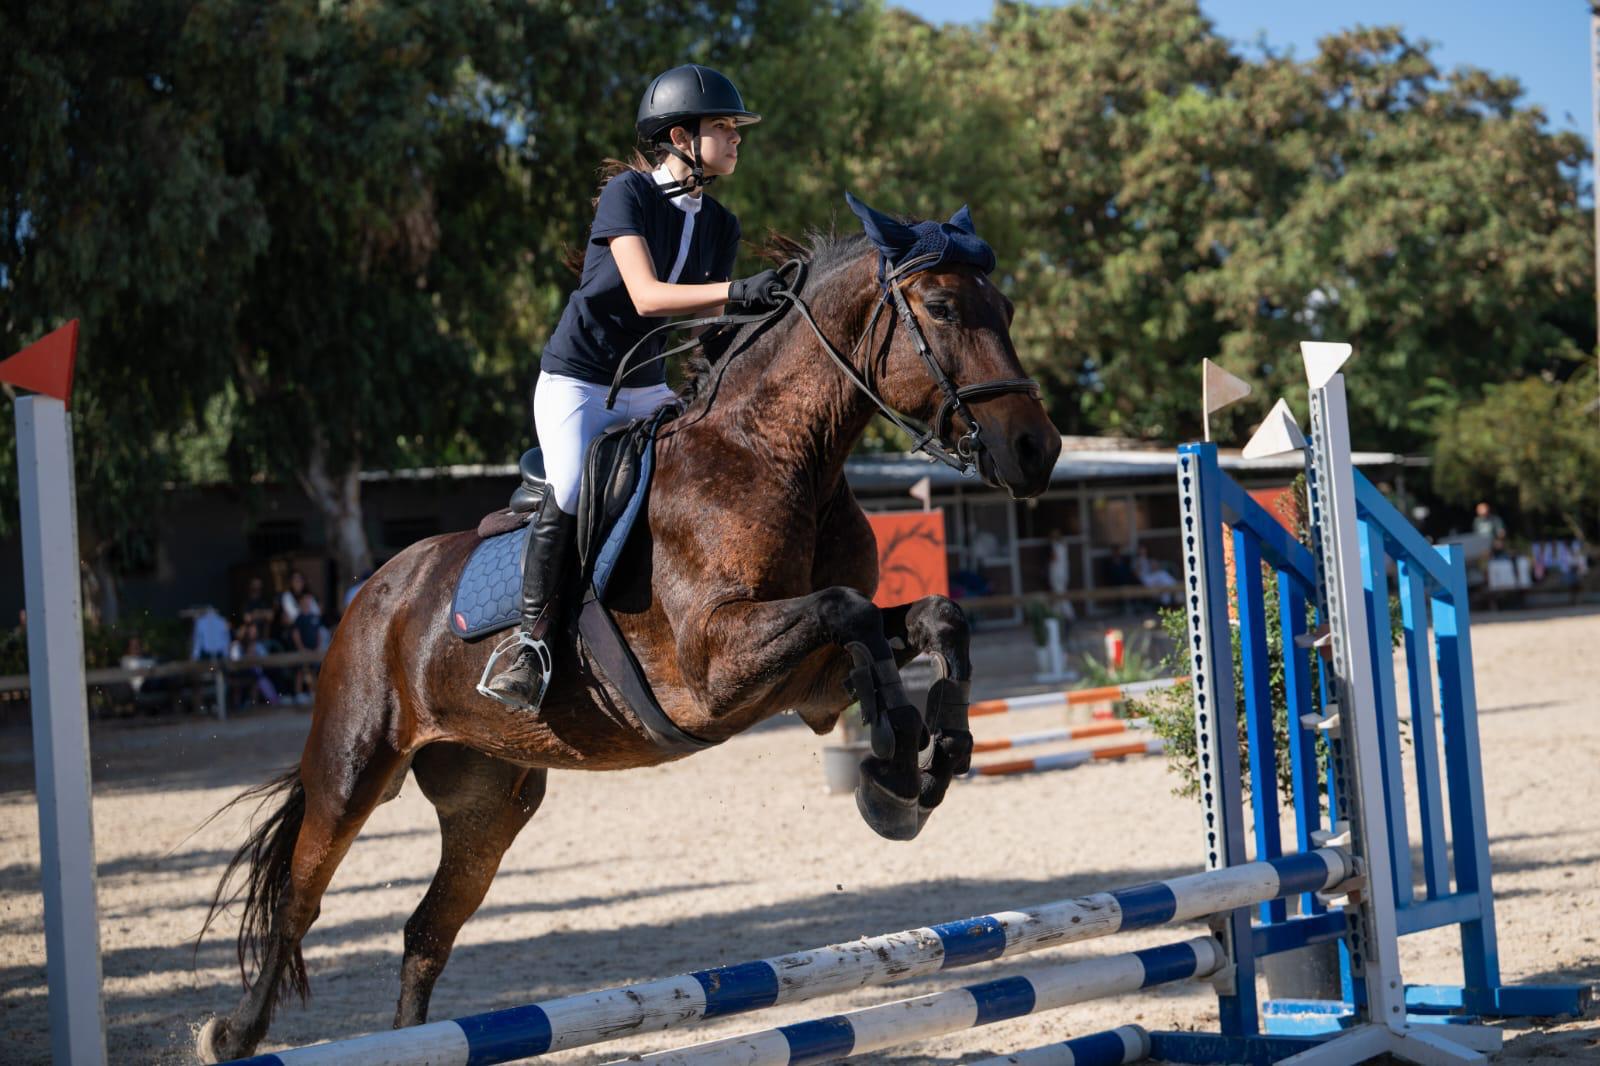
[[1088, 731], [56, 689], [1126, 1043], [1081, 697], [941, 1013], [1068, 760], [653, 1006]]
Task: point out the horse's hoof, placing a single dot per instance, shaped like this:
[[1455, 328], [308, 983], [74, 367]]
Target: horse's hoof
[[890, 815], [207, 1045]]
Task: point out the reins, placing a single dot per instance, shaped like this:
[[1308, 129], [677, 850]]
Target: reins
[[930, 441]]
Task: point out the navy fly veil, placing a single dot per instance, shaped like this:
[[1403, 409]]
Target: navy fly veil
[[906, 249]]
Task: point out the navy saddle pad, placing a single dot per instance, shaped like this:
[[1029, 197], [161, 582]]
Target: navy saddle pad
[[488, 593]]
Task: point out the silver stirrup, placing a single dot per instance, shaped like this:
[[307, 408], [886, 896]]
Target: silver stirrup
[[519, 639]]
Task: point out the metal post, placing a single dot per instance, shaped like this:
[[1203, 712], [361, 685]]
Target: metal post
[[60, 730], [1216, 737], [1594, 143], [1374, 933], [220, 680]]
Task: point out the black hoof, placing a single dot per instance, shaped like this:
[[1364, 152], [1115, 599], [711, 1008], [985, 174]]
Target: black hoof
[[891, 815]]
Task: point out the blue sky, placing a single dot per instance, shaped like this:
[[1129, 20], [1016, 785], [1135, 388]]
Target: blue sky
[[1544, 43]]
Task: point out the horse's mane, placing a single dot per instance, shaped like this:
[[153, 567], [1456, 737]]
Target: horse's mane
[[825, 254]]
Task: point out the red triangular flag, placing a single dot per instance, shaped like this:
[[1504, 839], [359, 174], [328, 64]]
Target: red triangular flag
[[46, 364]]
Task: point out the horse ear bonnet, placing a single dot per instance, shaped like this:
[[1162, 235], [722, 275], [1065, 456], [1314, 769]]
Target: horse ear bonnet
[[926, 245]]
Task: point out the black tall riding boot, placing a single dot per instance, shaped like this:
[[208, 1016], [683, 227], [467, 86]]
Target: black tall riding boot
[[544, 567]]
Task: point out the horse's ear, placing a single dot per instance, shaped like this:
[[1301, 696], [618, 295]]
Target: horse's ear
[[962, 220], [890, 236]]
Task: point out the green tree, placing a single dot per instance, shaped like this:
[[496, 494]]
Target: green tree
[[119, 209], [1530, 443], [1184, 200]]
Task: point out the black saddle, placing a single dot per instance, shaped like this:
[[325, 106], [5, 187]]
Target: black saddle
[[616, 475], [616, 484], [530, 493]]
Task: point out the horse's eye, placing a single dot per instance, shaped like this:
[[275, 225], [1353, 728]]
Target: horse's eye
[[941, 310]]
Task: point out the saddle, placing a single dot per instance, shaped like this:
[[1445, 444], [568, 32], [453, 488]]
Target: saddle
[[616, 482], [616, 486]]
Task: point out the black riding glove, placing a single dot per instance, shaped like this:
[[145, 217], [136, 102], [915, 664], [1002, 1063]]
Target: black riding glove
[[757, 293]]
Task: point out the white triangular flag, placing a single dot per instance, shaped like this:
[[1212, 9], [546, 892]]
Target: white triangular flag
[[1323, 360], [1218, 389], [1280, 433], [922, 490]]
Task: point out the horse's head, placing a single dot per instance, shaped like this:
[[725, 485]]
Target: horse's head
[[948, 359]]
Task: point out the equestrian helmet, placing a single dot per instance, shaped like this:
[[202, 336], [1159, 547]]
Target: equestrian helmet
[[689, 92]]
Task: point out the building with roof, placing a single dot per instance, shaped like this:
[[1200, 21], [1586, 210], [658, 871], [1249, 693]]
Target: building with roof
[[1107, 500]]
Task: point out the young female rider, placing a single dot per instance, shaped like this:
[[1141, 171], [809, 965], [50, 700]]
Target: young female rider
[[658, 247]]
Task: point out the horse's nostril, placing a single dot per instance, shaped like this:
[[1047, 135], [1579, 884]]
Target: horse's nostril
[[1025, 447]]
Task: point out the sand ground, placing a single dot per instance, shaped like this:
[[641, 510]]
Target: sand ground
[[737, 854]]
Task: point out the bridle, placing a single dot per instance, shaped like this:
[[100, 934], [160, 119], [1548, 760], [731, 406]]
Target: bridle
[[962, 455]]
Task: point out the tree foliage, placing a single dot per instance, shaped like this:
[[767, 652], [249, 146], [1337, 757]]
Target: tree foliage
[[1532, 444], [307, 238]]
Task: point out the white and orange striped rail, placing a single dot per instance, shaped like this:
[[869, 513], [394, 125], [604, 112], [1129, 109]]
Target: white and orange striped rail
[[1067, 760], [1082, 697], [1057, 736]]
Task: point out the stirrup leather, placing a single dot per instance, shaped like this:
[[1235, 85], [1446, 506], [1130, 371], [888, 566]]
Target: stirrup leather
[[515, 641]]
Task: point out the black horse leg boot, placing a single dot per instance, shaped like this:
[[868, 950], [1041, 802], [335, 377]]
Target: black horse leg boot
[[550, 540]]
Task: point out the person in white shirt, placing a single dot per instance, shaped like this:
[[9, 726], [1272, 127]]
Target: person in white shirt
[[290, 600]]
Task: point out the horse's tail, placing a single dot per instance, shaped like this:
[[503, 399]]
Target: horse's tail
[[266, 856]]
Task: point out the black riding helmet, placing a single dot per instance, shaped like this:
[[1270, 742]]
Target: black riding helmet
[[682, 97]]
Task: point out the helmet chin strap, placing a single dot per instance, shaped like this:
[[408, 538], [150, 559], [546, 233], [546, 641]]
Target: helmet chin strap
[[697, 172]]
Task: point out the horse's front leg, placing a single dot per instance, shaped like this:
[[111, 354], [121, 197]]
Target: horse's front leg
[[747, 651], [935, 625]]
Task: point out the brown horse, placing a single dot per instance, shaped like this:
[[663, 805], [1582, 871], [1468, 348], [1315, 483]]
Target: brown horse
[[752, 596]]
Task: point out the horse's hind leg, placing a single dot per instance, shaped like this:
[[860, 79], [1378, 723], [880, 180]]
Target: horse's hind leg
[[936, 625], [291, 859], [482, 803]]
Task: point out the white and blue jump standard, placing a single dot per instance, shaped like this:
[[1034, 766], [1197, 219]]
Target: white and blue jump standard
[[1350, 871], [1350, 705]]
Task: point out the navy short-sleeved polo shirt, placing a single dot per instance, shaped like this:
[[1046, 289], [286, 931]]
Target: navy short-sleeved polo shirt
[[599, 323]]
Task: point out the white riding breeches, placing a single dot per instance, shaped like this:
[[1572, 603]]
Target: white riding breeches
[[568, 414]]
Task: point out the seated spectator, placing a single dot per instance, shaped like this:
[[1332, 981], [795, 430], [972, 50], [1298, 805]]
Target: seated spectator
[[136, 657], [294, 596], [257, 606], [210, 635], [280, 636], [247, 644], [1153, 575], [1119, 572], [308, 634]]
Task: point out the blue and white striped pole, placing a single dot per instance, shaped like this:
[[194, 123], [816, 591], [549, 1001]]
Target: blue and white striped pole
[[1114, 1047], [595, 1017], [941, 1013]]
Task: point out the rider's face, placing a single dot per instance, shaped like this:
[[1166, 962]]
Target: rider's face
[[719, 145]]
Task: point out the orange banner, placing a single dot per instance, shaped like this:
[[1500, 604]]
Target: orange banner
[[911, 556]]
